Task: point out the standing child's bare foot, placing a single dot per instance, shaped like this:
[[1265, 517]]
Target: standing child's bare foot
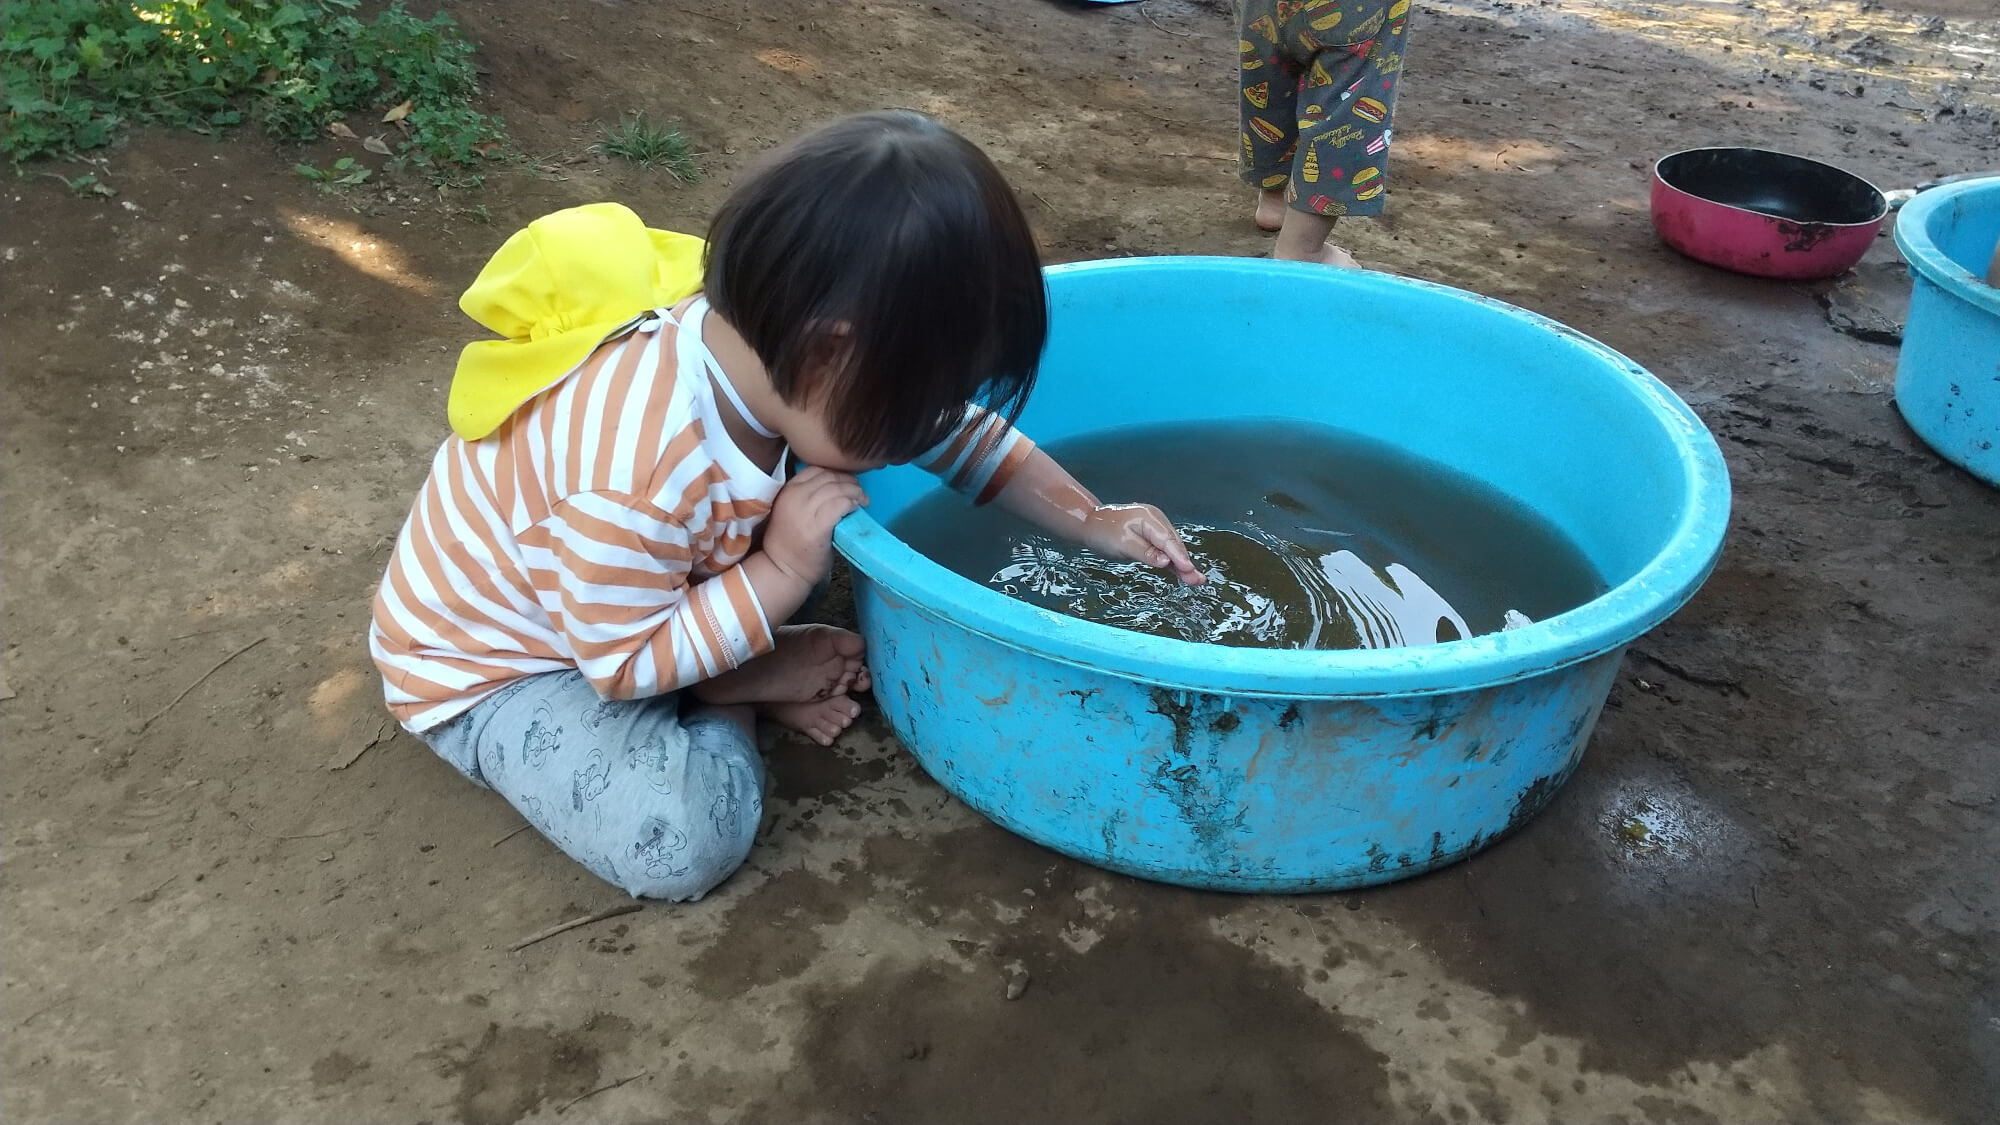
[[810, 662], [1332, 255], [1270, 209], [821, 720], [1327, 254]]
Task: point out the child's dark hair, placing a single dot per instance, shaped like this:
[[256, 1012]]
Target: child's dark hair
[[891, 249]]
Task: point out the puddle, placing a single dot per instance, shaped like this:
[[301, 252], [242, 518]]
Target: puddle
[[1661, 826], [1656, 826]]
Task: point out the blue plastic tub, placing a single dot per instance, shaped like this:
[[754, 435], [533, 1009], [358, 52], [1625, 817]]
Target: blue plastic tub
[[1267, 770], [1948, 378]]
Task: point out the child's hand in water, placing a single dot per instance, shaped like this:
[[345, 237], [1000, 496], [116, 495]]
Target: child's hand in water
[[1043, 493], [1142, 533], [799, 538]]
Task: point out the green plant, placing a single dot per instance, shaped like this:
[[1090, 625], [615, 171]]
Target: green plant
[[649, 145], [343, 172], [74, 73], [84, 185]]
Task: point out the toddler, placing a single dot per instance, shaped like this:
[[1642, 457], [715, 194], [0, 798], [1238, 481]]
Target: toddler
[[585, 608]]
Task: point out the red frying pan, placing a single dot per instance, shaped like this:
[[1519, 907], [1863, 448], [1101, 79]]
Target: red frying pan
[[1769, 214]]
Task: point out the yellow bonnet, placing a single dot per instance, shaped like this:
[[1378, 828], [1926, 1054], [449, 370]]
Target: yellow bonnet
[[556, 290]]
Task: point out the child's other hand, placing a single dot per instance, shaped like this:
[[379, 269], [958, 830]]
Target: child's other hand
[[1142, 533], [799, 538]]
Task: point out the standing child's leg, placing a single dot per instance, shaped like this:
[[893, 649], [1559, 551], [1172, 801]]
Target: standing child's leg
[[658, 803], [1303, 238], [1345, 106], [1268, 83]]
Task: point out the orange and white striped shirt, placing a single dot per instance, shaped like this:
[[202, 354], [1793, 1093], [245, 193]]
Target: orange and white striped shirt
[[600, 528]]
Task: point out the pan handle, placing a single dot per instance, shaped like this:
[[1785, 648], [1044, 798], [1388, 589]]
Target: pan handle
[[1903, 195]]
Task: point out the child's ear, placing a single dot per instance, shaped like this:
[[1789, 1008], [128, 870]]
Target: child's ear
[[828, 356]]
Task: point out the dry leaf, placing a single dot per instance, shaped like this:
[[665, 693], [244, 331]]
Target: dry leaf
[[376, 144], [399, 112], [340, 129]]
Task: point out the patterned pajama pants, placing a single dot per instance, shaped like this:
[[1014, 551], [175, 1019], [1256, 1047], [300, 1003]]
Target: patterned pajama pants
[[1318, 88], [659, 804]]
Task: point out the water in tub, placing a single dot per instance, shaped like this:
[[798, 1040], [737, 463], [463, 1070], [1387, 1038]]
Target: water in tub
[[1311, 538]]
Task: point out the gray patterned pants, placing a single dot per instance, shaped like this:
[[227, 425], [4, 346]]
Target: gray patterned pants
[[657, 803]]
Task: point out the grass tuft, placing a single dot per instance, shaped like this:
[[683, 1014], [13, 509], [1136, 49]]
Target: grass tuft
[[649, 145]]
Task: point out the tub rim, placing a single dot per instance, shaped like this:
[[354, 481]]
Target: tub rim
[[1610, 621], [1913, 238]]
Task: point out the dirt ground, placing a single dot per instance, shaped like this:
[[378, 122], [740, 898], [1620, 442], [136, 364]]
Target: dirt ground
[[243, 897]]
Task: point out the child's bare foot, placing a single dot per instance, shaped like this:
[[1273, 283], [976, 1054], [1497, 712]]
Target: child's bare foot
[[1271, 209], [821, 720], [1327, 255], [1332, 255], [811, 662], [1304, 239]]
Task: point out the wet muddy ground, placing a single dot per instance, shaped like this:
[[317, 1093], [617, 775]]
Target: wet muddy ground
[[1767, 894]]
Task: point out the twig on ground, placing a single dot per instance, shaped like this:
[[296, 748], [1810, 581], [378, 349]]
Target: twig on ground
[[573, 923], [1044, 202], [44, 1010], [1718, 683], [204, 676], [1161, 28], [518, 829], [206, 632], [149, 896], [1163, 120], [1311, 926], [602, 1089], [315, 835]]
